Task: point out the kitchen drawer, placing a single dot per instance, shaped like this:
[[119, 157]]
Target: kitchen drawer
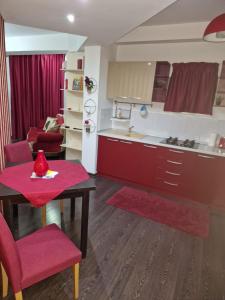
[[174, 155], [173, 166], [170, 174], [173, 186]]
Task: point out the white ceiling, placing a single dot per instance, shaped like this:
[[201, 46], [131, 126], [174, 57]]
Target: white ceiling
[[13, 30], [188, 11], [103, 21]]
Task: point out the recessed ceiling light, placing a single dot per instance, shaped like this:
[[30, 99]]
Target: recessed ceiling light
[[70, 18]]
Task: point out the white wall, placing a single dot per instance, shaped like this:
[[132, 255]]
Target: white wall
[[163, 123], [48, 43], [96, 66]]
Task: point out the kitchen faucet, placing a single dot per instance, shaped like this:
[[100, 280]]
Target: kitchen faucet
[[130, 128]]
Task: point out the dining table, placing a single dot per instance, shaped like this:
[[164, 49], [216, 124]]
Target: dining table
[[9, 196]]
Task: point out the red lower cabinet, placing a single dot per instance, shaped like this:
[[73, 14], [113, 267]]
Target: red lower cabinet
[[188, 174], [118, 158], [204, 177], [147, 157]]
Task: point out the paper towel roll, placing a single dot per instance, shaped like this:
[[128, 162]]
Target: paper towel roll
[[212, 139]]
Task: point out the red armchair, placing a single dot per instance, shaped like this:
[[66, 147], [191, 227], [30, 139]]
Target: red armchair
[[47, 141]]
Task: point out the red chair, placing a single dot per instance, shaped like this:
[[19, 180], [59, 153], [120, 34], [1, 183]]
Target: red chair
[[35, 257], [18, 152]]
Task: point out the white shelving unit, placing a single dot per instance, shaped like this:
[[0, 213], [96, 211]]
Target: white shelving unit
[[73, 107]]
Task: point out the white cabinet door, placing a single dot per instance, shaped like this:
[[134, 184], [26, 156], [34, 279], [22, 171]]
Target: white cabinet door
[[131, 80]]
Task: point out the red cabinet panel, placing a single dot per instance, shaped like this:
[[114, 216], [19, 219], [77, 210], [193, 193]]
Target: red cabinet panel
[[118, 158], [204, 177], [148, 155]]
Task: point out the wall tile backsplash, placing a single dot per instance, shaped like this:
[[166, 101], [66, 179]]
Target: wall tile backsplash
[[181, 125]]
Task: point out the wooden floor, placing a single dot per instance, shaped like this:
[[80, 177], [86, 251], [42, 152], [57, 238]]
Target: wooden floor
[[130, 257]]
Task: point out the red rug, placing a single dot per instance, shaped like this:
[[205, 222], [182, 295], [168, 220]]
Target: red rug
[[193, 220]]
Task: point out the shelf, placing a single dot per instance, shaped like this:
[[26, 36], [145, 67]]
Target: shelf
[[73, 91], [120, 120], [72, 129], [72, 147], [73, 70], [72, 110]]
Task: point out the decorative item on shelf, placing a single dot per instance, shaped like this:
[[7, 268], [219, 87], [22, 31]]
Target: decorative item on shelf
[[81, 83], [90, 106], [90, 84], [89, 126], [143, 111], [76, 84], [40, 164], [69, 108], [80, 64]]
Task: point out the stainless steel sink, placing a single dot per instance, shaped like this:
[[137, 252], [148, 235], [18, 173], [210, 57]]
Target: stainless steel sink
[[135, 135]]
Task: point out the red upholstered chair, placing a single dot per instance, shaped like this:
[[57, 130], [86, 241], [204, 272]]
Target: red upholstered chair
[[18, 152], [36, 257]]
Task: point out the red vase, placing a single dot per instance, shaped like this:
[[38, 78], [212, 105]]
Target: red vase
[[40, 164]]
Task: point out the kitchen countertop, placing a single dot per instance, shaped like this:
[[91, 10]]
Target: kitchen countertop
[[154, 140]]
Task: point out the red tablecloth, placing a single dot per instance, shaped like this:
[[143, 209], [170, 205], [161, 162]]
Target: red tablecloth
[[41, 191]]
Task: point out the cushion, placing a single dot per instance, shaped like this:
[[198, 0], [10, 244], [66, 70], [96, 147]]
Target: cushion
[[45, 253], [51, 124]]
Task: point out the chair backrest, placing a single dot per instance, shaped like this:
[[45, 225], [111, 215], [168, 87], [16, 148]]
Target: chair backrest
[[9, 256], [18, 152]]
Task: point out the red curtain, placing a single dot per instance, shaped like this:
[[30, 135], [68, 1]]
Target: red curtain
[[192, 88], [35, 90]]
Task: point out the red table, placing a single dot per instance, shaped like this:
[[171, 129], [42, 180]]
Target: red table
[[9, 196]]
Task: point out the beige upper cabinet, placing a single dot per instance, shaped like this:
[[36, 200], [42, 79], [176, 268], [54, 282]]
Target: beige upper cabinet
[[132, 80]]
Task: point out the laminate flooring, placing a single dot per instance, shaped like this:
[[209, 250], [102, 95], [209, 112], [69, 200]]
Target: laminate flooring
[[129, 257]]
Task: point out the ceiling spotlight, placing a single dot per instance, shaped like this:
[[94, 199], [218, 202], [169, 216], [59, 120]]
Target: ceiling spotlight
[[70, 18]]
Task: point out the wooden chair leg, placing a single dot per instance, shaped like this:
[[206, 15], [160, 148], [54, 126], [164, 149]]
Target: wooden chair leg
[[76, 280], [61, 207], [19, 296], [43, 215], [5, 282]]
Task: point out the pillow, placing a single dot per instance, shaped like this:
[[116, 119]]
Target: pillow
[[51, 125]]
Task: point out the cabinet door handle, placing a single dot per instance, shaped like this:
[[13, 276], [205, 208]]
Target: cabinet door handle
[[170, 183], [150, 146], [126, 142], [172, 173], [174, 162], [112, 140], [176, 151], [206, 156]]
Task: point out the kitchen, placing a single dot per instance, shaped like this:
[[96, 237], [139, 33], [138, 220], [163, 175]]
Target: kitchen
[[174, 153]]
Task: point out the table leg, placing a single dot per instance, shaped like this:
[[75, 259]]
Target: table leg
[[15, 210], [84, 223], [7, 213], [72, 208]]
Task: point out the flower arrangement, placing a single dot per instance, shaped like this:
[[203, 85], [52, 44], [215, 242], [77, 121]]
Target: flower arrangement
[[89, 83]]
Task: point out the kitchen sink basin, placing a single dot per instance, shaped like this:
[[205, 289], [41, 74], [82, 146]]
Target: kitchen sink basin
[[135, 135]]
